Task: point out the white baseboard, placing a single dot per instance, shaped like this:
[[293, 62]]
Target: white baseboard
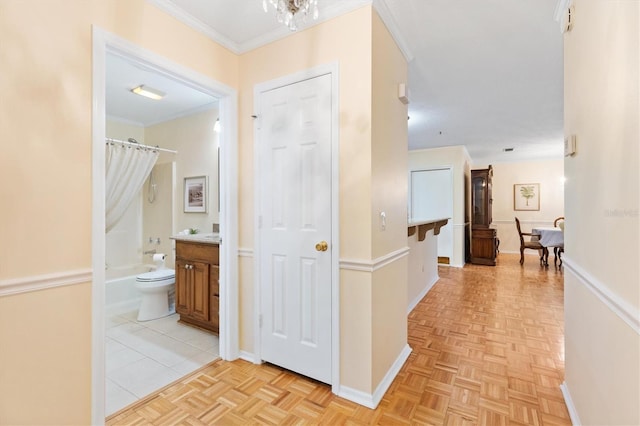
[[250, 357], [422, 294], [573, 413], [372, 400]]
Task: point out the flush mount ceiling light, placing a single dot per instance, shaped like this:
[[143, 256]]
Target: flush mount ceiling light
[[148, 92], [289, 12]]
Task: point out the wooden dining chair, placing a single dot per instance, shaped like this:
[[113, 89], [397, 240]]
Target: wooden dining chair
[[557, 251], [533, 245]]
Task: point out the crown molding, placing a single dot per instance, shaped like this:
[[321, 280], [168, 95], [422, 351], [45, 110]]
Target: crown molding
[[326, 14], [193, 22], [387, 17]]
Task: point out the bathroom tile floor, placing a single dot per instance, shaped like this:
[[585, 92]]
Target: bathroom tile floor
[[142, 357]]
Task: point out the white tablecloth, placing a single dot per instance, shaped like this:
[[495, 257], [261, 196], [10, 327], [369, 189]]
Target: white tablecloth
[[549, 236]]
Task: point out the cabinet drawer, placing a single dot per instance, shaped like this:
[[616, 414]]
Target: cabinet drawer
[[207, 253]]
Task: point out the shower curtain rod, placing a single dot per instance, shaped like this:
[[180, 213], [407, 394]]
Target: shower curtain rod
[[107, 140]]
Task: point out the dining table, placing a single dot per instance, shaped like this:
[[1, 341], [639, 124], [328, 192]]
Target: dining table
[[549, 236]]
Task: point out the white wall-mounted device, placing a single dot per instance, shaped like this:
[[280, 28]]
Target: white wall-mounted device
[[570, 146], [403, 93]]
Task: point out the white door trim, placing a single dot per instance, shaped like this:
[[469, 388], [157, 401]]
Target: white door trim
[[103, 43], [332, 69]]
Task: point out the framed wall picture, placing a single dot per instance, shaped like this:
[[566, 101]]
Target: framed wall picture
[[526, 196], [195, 194]]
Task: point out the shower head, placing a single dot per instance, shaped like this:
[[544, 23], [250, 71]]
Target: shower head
[[132, 140]]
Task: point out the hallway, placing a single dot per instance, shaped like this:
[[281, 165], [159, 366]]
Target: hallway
[[487, 349]]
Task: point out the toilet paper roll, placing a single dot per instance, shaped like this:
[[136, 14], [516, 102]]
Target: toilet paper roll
[[158, 259]]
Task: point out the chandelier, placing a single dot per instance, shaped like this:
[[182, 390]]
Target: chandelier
[[290, 12]]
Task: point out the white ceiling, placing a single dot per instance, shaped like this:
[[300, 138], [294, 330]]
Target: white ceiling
[[123, 105], [487, 74]]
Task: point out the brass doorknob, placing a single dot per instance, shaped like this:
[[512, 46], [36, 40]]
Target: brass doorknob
[[322, 246]]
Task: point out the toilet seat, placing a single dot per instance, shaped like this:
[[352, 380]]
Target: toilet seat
[[156, 276]]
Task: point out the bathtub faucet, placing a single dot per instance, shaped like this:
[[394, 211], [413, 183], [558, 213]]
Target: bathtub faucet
[[150, 251]]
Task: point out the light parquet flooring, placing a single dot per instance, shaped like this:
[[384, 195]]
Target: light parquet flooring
[[487, 350]]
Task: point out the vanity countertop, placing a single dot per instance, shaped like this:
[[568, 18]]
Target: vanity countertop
[[206, 238]]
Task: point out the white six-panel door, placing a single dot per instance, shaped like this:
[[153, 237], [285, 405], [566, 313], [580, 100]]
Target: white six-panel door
[[295, 226]]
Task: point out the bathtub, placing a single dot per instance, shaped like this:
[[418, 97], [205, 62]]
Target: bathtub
[[121, 295]]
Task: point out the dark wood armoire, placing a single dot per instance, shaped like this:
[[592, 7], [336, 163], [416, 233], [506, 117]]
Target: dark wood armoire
[[484, 241]]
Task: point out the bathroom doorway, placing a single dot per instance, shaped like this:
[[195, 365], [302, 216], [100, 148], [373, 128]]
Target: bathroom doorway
[[108, 46]]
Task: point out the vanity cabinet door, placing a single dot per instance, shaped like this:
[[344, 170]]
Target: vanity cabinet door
[[200, 291], [182, 288]]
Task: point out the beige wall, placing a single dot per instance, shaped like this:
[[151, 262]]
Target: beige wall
[[389, 145], [549, 174], [46, 83], [322, 44], [601, 204], [369, 170], [197, 145], [458, 159], [422, 266]]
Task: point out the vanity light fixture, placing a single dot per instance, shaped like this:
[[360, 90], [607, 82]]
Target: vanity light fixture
[[148, 92]]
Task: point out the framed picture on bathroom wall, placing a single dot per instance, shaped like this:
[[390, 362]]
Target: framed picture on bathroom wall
[[195, 194]]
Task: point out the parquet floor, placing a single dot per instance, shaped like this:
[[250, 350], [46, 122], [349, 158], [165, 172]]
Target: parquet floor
[[487, 350]]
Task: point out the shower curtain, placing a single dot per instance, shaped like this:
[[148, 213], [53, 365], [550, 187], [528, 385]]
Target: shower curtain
[[127, 167]]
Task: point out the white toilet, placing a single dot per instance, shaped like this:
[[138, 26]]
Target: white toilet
[[158, 294]]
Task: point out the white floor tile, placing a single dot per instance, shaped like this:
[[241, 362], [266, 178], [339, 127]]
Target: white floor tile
[[112, 346], [117, 397], [121, 359], [205, 342], [114, 321], [143, 377], [125, 328], [144, 356], [192, 364]]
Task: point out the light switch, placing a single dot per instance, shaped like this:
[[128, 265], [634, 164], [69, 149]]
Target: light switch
[[383, 221]]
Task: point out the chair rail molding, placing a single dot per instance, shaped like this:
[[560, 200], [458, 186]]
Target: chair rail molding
[[42, 282], [245, 252], [375, 264], [627, 313]]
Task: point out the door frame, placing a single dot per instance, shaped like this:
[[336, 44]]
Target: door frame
[[333, 70], [103, 43]]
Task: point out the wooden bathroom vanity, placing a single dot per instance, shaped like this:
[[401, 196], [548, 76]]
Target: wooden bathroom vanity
[[197, 287]]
